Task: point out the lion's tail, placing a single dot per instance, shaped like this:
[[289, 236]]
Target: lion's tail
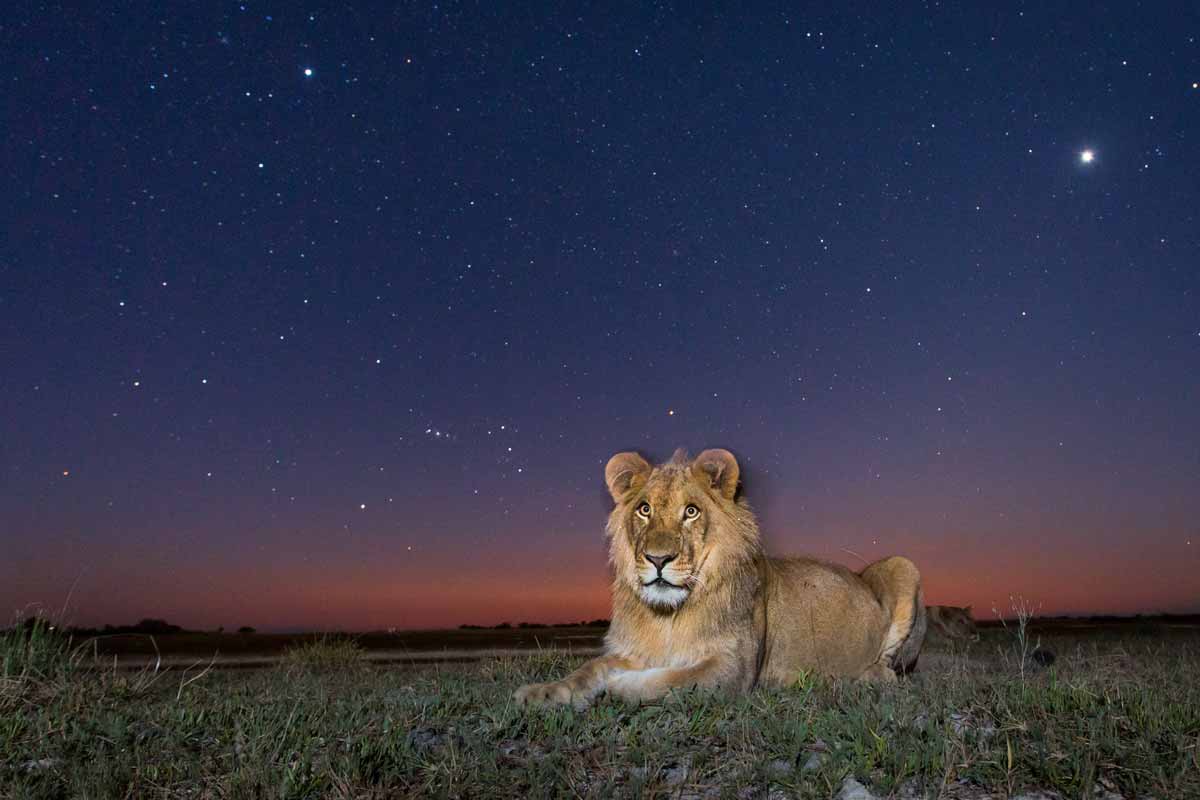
[[896, 582]]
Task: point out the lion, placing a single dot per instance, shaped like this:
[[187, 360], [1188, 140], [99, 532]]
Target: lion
[[697, 603], [952, 622]]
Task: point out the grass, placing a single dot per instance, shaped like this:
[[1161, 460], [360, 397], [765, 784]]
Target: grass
[[323, 653], [1024, 646], [1120, 712]]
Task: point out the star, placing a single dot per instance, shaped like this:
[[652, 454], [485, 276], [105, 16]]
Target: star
[[1087, 156], [308, 72]]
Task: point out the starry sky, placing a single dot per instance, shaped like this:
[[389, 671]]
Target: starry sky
[[327, 317]]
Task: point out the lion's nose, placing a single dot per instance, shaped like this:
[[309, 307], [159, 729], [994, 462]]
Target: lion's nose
[[661, 560]]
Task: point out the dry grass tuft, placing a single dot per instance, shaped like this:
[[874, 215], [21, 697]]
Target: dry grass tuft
[[327, 652]]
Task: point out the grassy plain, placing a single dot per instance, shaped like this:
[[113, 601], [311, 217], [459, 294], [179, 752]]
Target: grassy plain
[[1116, 715]]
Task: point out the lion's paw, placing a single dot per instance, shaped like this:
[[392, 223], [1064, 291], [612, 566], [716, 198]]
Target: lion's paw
[[637, 686], [879, 673], [555, 693]]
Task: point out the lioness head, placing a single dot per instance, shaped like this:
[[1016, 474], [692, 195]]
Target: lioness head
[[956, 622], [676, 526]]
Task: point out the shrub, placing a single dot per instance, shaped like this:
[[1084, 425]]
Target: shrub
[[325, 652]]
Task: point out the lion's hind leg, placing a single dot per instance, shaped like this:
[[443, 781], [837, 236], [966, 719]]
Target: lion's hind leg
[[896, 583]]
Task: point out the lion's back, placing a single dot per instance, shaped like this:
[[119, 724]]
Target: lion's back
[[820, 617]]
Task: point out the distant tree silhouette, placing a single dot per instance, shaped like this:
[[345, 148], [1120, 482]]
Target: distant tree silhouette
[[246, 629], [155, 627], [146, 627], [505, 626]]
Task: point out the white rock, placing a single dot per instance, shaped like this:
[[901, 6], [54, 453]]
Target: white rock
[[853, 790], [676, 774], [814, 761]]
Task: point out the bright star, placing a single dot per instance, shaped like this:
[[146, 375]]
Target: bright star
[[308, 72], [1087, 156]]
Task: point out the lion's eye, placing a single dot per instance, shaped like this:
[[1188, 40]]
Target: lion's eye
[[644, 509], [691, 512]]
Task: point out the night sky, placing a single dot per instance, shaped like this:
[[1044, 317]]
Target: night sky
[[316, 318]]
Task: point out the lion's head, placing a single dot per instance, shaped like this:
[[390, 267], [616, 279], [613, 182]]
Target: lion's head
[[677, 528], [956, 622]]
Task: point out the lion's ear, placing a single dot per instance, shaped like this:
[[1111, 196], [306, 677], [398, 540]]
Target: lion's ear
[[624, 471], [720, 469]]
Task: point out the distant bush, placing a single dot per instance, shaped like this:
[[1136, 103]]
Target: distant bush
[[506, 626], [155, 627], [246, 629], [146, 627]]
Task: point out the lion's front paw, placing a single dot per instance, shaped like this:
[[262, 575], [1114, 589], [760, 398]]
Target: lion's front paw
[[637, 686], [555, 693]]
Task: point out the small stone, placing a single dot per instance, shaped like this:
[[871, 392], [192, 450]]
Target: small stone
[[676, 773], [425, 739], [853, 790], [814, 761], [40, 764], [1043, 658], [780, 768]]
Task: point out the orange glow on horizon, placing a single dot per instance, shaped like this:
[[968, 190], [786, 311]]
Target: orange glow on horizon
[[374, 600]]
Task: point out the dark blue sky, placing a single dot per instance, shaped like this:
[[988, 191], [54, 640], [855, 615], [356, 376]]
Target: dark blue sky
[[325, 317]]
